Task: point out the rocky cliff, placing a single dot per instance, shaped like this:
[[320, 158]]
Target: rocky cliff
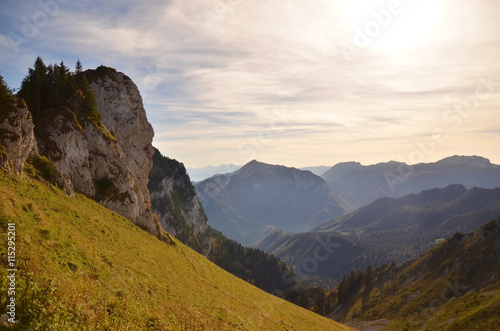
[[16, 136], [120, 105], [106, 155], [175, 202], [18, 143]]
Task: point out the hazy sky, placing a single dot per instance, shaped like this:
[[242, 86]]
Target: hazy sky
[[288, 82]]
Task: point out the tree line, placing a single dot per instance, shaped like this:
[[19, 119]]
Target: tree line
[[253, 265], [53, 89]]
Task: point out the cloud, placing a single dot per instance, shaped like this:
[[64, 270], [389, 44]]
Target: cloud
[[212, 76]]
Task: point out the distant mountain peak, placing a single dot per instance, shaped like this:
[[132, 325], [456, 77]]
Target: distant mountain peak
[[472, 161], [202, 173], [265, 168], [359, 185], [255, 163], [259, 196], [349, 164]]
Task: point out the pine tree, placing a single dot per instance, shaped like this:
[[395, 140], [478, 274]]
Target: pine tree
[[78, 67], [90, 102], [6, 97], [66, 84], [34, 87], [343, 290], [368, 274]]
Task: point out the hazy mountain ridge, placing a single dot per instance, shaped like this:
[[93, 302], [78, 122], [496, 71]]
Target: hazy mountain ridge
[[359, 184], [317, 170], [258, 197], [389, 229], [420, 212], [202, 173]]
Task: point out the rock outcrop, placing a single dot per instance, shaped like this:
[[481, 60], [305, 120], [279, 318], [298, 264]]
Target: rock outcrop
[[108, 161], [86, 133], [174, 200], [120, 104], [16, 136]]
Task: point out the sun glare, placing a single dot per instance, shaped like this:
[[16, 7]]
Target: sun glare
[[391, 26]]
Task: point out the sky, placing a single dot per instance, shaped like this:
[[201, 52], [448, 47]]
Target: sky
[[291, 82]]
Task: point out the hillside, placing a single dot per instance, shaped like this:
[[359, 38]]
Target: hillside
[[82, 265], [430, 210], [318, 258], [455, 286], [174, 200], [360, 185], [387, 230], [259, 197]]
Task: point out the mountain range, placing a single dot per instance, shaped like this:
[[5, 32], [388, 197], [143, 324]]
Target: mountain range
[[386, 230], [259, 197], [454, 286], [359, 185], [202, 173], [111, 234]]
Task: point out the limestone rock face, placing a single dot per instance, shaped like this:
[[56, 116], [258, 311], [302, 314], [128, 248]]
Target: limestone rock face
[[120, 104], [63, 142], [17, 137], [109, 161], [175, 202], [191, 210]]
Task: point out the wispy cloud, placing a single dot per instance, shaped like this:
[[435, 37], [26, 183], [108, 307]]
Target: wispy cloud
[[213, 81]]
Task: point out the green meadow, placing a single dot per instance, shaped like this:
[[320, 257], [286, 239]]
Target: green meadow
[[81, 266]]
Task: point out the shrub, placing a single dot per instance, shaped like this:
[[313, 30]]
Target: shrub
[[40, 167]]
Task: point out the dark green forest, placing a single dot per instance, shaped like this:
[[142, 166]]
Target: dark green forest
[[50, 90], [261, 269]]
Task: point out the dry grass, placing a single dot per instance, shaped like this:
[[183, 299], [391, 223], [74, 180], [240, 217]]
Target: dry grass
[[83, 267]]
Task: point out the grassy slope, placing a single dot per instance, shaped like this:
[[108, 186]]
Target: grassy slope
[[478, 310], [442, 290], [473, 311], [82, 266]]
